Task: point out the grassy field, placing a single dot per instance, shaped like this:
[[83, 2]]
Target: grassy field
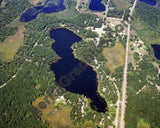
[[146, 34], [53, 116], [56, 114], [113, 22], [66, 14], [122, 4], [34, 2], [142, 124], [115, 56], [11, 44], [3, 3]]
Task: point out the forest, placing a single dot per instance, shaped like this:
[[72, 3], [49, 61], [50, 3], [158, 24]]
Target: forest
[[9, 12], [144, 15], [144, 104], [91, 53], [34, 78], [146, 24], [142, 95], [114, 12]]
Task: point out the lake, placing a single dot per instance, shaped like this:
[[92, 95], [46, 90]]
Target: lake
[[50, 6], [150, 2], [96, 5], [156, 49], [73, 74]]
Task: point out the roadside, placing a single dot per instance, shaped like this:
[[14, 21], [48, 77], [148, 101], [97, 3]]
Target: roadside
[[124, 86]]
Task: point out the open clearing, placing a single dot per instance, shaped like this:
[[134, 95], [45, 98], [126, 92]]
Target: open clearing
[[115, 56], [11, 44], [56, 113], [2, 3], [113, 22], [66, 14], [146, 34], [122, 4], [34, 2], [55, 117], [143, 124]]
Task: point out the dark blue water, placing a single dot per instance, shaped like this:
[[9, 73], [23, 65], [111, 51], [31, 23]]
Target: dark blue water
[[72, 74], [150, 2], [156, 49], [96, 5], [6, 0], [50, 6]]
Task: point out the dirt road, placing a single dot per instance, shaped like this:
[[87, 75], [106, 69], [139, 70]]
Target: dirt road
[[101, 31], [124, 86], [1, 86], [78, 5], [8, 81], [122, 122]]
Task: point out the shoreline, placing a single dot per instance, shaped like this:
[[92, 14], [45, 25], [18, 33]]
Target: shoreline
[[97, 76], [69, 29], [93, 68]]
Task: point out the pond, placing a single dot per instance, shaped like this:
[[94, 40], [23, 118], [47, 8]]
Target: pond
[[73, 74], [50, 6], [156, 49], [96, 5], [150, 2]]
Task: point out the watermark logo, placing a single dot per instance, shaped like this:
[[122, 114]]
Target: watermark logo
[[66, 80]]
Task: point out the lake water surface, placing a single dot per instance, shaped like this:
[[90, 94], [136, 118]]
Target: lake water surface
[[50, 6], [156, 49], [96, 5], [71, 73], [150, 2]]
